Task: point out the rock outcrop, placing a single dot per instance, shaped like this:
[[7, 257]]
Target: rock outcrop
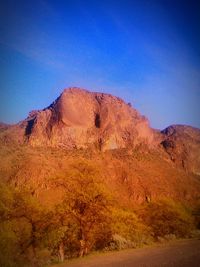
[[182, 143], [79, 118]]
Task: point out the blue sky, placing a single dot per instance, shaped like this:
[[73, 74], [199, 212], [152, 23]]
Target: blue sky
[[146, 52]]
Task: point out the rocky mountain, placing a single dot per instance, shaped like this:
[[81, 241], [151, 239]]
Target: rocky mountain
[[137, 162], [79, 119], [182, 143]]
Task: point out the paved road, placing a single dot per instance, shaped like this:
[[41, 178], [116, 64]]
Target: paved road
[[184, 253]]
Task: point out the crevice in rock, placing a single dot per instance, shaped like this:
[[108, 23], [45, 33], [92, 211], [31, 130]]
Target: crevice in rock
[[168, 144], [29, 127], [97, 121], [100, 144]]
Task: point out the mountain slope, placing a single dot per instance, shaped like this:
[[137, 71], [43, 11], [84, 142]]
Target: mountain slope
[[137, 162], [82, 119], [182, 143]]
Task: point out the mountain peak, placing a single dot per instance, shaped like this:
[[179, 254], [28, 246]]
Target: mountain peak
[[79, 118]]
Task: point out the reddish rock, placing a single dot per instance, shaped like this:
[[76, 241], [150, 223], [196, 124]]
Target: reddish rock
[[79, 118], [182, 143]]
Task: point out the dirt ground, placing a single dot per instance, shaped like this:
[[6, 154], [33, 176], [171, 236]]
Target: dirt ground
[[183, 253]]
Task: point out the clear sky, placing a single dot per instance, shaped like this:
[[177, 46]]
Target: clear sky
[[146, 52]]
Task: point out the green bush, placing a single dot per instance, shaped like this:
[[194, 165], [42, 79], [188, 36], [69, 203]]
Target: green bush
[[165, 217], [118, 243], [126, 224]]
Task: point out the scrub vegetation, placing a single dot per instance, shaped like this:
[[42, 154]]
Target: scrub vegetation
[[87, 218]]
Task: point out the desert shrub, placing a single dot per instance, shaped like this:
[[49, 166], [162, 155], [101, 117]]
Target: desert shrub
[[118, 242], [165, 217], [22, 226], [126, 224], [166, 238], [195, 233], [103, 235], [10, 237], [9, 249]]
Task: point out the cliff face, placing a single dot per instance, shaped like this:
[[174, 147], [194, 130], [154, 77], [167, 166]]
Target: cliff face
[[78, 119], [182, 143], [82, 119]]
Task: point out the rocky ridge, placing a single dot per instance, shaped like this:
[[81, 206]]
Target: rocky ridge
[[79, 119]]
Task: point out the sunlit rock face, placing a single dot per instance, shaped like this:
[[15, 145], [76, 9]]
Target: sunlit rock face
[[182, 143], [79, 118]]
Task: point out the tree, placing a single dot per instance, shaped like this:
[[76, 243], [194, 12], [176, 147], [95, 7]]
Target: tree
[[166, 217], [85, 205], [23, 223], [27, 209], [62, 234]]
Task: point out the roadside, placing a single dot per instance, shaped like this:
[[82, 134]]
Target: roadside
[[181, 253]]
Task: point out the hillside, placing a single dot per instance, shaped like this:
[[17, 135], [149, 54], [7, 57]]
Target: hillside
[[89, 173], [133, 157]]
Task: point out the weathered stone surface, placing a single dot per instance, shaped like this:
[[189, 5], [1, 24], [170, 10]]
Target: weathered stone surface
[[79, 118], [182, 143]]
